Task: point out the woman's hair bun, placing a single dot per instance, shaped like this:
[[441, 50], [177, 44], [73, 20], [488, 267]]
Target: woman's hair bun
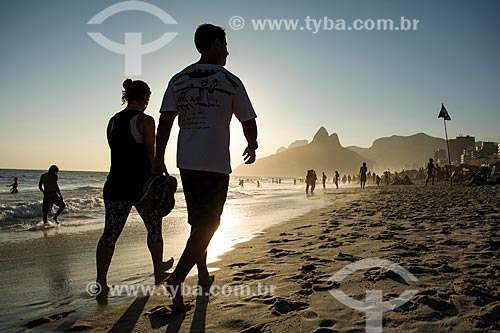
[[127, 84]]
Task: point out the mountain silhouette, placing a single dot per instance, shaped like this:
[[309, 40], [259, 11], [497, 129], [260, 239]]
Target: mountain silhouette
[[397, 152], [324, 153], [296, 143]]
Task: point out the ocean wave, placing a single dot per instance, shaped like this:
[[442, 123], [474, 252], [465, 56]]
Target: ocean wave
[[21, 211], [88, 188], [233, 194], [78, 205], [33, 210]]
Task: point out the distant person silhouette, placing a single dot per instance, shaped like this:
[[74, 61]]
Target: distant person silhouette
[[324, 178], [51, 194], [344, 179], [438, 173], [362, 173], [131, 138], [205, 96], [337, 177], [349, 179], [309, 177], [14, 186], [407, 180], [314, 179], [431, 171], [377, 180]]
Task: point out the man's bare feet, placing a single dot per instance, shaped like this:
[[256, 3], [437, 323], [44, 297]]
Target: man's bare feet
[[175, 291]]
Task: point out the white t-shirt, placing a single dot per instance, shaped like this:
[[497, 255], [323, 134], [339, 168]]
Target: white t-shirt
[[206, 96]]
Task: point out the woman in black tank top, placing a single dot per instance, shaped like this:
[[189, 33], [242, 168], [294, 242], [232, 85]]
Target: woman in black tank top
[[130, 169]]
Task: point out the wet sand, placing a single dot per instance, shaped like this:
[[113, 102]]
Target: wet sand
[[448, 239]]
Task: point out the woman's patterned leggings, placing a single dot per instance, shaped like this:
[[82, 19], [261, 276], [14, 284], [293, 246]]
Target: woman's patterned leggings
[[117, 212]]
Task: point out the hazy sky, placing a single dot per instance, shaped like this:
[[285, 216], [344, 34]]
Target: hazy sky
[[59, 87]]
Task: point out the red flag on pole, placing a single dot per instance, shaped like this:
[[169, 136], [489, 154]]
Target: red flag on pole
[[443, 113]]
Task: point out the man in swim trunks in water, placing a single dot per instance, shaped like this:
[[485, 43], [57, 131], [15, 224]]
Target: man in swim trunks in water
[[51, 193]]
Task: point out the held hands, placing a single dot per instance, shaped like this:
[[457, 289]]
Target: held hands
[[248, 156], [159, 168]]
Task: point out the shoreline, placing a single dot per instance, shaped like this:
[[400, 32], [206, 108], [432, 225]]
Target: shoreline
[[419, 228], [53, 261]]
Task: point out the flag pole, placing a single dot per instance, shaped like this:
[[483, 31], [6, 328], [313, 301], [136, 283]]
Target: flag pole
[[448, 148]]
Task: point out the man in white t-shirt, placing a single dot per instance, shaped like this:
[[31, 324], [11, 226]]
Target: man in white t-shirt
[[205, 96]]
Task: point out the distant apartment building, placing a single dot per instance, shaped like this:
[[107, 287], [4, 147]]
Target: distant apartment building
[[458, 146], [487, 149], [468, 155], [483, 153]]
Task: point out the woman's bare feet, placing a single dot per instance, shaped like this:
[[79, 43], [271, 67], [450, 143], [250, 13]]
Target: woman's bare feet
[[101, 295], [161, 275], [166, 265]]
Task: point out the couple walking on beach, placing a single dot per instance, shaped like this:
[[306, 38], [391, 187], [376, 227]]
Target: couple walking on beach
[[204, 96]]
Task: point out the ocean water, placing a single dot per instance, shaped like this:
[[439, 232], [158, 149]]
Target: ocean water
[[45, 271]]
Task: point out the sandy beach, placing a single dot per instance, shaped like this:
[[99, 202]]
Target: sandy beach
[[449, 239]]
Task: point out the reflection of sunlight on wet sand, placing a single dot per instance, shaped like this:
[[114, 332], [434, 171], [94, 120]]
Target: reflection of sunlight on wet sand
[[222, 242]]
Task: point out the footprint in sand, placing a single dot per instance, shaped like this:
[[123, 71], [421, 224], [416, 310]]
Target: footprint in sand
[[438, 301], [235, 325], [489, 317], [310, 315], [324, 330], [284, 306], [346, 257], [265, 299], [238, 264], [251, 274], [278, 253]]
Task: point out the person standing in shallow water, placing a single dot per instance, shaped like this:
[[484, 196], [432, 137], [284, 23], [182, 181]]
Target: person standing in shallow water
[[362, 173], [324, 178], [51, 194], [205, 96], [337, 178], [309, 181], [14, 186], [131, 138]]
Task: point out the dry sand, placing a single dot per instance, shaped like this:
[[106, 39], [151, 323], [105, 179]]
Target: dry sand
[[448, 239]]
